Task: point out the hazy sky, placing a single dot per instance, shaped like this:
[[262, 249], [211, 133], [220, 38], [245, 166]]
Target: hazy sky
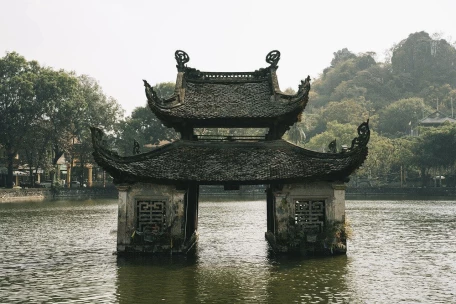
[[119, 43]]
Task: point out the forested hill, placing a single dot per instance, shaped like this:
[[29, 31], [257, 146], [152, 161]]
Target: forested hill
[[417, 79]]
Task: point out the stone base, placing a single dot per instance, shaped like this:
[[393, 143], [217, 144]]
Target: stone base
[[305, 248], [307, 218], [161, 247], [156, 219]]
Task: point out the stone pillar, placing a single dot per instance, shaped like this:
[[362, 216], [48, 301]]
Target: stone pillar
[[191, 210], [339, 202], [270, 210], [123, 238], [38, 178], [309, 218], [151, 219], [68, 177], [17, 180], [89, 175]]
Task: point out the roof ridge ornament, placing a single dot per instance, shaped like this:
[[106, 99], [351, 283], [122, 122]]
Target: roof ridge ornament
[[363, 136], [273, 58], [182, 58], [150, 92]]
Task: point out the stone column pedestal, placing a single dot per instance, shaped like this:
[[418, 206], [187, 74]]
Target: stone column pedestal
[[89, 175], [308, 218], [152, 219], [68, 177]]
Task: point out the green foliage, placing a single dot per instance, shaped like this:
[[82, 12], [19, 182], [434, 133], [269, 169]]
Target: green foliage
[[46, 113], [435, 148], [442, 95], [91, 108], [380, 159], [397, 118], [346, 111], [296, 134], [341, 56], [19, 107], [418, 77], [343, 133], [424, 61], [349, 111], [164, 89], [144, 127], [343, 71]]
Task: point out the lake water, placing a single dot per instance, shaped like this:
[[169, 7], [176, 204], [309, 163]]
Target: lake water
[[62, 252]]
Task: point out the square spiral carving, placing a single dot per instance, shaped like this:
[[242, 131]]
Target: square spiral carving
[[151, 216], [310, 215]]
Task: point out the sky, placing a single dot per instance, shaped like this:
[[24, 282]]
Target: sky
[[119, 43]]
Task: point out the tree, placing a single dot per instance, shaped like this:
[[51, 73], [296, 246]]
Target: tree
[[349, 111], [425, 61], [19, 107], [343, 71], [296, 134], [144, 126], [34, 149], [343, 133], [59, 94], [398, 118], [442, 97], [435, 149], [93, 108], [380, 159], [341, 56], [346, 111]]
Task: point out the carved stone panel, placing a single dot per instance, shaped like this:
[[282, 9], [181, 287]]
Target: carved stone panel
[[151, 216], [310, 215]]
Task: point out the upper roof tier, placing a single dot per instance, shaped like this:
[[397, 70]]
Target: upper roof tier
[[228, 99]]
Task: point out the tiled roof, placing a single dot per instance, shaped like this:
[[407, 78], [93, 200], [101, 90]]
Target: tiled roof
[[202, 96], [436, 118], [230, 162]]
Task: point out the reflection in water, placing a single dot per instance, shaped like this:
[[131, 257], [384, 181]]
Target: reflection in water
[[232, 265], [62, 252]]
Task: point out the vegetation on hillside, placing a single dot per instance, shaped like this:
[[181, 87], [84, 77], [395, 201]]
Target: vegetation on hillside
[[46, 113], [419, 79]]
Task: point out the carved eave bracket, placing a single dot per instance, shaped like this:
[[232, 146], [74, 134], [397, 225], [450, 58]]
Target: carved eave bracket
[[304, 87], [151, 94], [363, 137], [99, 144], [156, 102]]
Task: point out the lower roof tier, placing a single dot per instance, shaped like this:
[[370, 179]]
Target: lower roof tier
[[265, 162]]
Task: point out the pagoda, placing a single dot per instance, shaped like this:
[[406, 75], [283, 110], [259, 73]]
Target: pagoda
[[159, 190]]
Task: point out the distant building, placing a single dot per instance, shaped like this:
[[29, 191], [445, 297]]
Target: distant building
[[435, 119]]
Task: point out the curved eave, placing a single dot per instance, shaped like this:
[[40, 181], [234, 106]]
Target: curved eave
[[221, 163], [282, 107]]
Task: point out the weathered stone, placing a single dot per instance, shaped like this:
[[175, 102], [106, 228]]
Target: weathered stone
[[152, 219], [311, 230]]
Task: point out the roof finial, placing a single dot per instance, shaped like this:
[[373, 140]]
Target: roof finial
[[273, 58], [182, 58]]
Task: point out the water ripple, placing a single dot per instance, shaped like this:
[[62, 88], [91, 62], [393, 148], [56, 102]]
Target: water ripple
[[61, 252]]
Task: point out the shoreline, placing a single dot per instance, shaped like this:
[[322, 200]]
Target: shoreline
[[40, 194]]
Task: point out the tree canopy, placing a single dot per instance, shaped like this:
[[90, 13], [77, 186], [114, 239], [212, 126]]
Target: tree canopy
[[45, 112]]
